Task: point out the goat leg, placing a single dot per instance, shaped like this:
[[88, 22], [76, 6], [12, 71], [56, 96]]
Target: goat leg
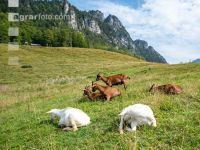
[[133, 126], [74, 126], [125, 84], [121, 125], [108, 98], [109, 83], [67, 129]]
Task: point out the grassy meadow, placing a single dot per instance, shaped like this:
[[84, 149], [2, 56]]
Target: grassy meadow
[[56, 80]]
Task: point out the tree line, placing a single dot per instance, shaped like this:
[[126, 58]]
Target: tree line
[[55, 34], [31, 32]]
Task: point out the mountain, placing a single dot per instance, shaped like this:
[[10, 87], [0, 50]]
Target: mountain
[[112, 30], [148, 52], [98, 30], [197, 60]]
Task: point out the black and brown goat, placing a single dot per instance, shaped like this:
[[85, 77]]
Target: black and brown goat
[[167, 89], [114, 80], [91, 95], [108, 91]]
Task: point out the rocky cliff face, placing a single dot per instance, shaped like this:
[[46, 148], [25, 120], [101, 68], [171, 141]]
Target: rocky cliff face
[[72, 19], [86, 20], [116, 32], [97, 15], [66, 6], [91, 25], [71, 14]]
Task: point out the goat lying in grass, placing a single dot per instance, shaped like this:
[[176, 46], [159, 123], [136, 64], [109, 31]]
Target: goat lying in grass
[[136, 115], [91, 95], [108, 91], [70, 118], [113, 80], [167, 89]]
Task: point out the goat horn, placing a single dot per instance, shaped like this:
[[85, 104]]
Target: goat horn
[[151, 87]]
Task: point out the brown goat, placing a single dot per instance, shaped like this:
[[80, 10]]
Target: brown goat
[[113, 80], [167, 89], [91, 95], [108, 91]]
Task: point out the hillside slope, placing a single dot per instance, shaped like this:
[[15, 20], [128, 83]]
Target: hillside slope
[[56, 80]]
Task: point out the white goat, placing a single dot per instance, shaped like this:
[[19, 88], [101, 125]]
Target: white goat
[[70, 118], [136, 115]]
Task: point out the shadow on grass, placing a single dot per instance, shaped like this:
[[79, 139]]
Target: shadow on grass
[[192, 98], [52, 124], [86, 99], [48, 122], [113, 127]]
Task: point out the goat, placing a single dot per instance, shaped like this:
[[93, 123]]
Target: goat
[[70, 118], [114, 80], [135, 115], [167, 89], [108, 91], [91, 95]]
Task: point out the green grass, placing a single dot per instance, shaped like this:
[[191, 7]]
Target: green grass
[[56, 80]]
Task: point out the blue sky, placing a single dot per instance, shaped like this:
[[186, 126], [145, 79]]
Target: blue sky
[[172, 27], [131, 3]]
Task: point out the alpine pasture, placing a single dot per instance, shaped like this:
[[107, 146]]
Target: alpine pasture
[[56, 77]]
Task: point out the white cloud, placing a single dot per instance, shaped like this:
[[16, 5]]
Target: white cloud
[[172, 27]]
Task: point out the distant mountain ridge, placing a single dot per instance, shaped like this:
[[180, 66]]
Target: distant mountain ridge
[[97, 29], [196, 60]]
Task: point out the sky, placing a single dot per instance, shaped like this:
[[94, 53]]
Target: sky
[[172, 27]]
